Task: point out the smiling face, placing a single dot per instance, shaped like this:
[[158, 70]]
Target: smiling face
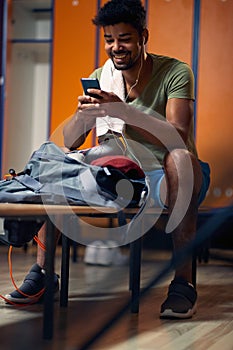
[[123, 45]]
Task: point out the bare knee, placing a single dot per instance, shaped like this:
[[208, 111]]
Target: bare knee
[[182, 167]]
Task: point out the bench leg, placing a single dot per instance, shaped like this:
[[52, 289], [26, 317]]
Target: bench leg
[[48, 316], [135, 272], [65, 264]]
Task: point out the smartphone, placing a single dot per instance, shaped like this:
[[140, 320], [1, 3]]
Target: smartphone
[[90, 83]]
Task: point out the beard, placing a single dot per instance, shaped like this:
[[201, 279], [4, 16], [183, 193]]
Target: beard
[[124, 65]]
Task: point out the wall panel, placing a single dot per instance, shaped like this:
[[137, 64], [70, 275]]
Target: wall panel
[[6, 10], [170, 24], [215, 96], [73, 57]]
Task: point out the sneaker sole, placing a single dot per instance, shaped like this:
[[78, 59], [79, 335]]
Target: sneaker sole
[[28, 300], [11, 299], [169, 314]]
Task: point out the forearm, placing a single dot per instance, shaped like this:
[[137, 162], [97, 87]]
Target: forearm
[[159, 133], [76, 131], [154, 129]]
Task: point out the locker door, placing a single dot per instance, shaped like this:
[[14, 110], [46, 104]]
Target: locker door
[[73, 58], [215, 96]]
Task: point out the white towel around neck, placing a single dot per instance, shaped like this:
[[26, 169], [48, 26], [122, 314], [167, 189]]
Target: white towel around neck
[[111, 80]]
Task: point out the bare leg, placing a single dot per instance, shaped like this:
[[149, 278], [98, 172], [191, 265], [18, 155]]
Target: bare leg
[[40, 252], [32, 288], [186, 229]]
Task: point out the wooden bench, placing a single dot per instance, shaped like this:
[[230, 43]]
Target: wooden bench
[[49, 214]]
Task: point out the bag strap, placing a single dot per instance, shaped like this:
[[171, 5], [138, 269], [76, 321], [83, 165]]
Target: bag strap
[[28, 182]]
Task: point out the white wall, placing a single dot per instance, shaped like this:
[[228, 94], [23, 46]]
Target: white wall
[[18, 137], [27, 116], [40, 104]]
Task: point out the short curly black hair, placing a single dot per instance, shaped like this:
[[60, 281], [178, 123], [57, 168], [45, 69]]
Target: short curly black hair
[[126, 11]]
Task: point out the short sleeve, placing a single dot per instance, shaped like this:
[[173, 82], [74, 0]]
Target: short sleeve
[[180, 82]]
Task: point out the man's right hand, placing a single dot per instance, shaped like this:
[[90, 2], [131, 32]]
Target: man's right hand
[[86, 101]]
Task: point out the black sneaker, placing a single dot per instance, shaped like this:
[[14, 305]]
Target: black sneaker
[[181, 300], [32, 288]]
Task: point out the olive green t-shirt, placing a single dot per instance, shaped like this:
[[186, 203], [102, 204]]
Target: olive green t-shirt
[[170, 78]]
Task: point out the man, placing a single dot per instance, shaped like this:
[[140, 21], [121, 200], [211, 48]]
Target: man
[[160, 86]]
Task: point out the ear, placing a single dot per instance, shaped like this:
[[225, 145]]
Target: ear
[[145, 36]]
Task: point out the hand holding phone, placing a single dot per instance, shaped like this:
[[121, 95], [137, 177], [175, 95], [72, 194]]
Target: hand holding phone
[[91, 83], [103, 123]]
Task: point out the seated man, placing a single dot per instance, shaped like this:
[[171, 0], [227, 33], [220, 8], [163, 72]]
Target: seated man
[[161, 90]]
